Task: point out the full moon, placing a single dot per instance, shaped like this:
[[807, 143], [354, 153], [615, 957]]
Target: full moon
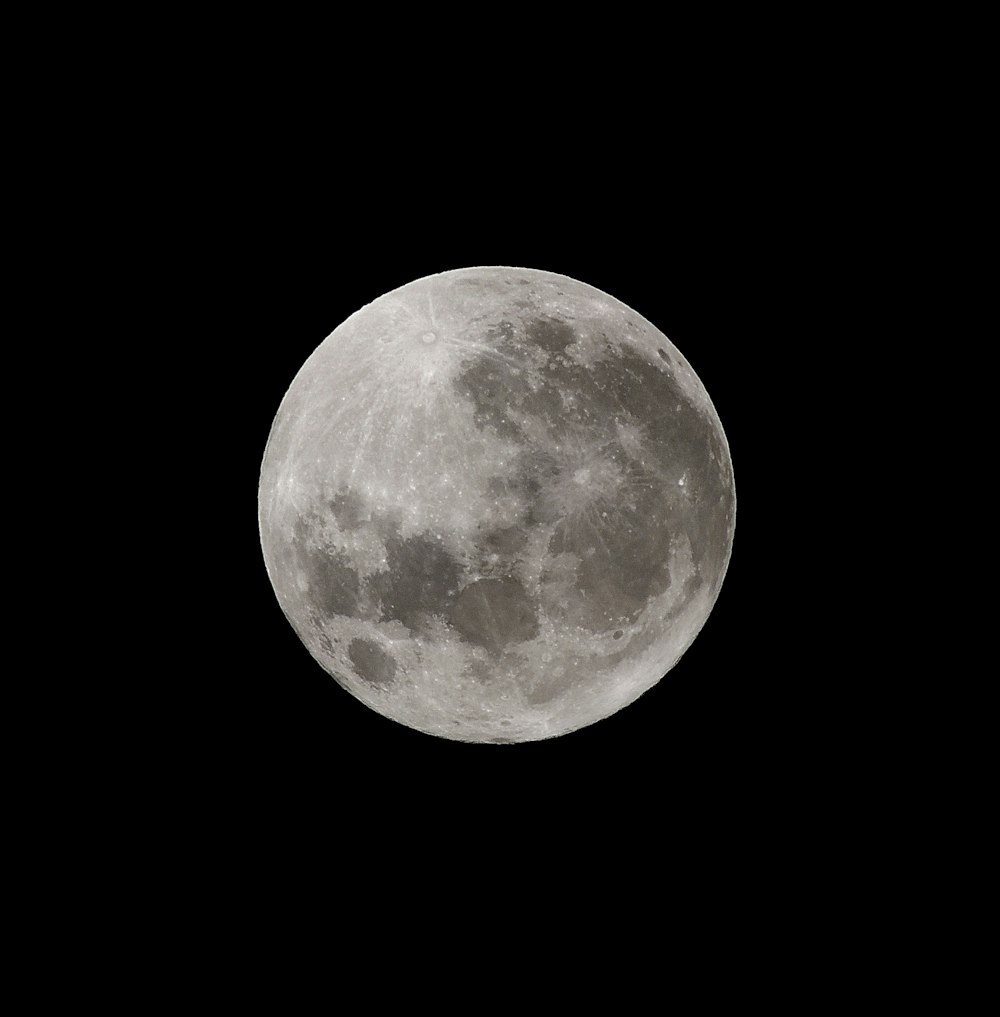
[[496, 505]]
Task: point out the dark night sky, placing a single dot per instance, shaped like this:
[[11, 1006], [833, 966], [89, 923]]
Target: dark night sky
[[704, 261], [258, 221]]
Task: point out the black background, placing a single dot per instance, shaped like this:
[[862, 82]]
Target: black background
[[715, 267], [718, 200], [265, 208]]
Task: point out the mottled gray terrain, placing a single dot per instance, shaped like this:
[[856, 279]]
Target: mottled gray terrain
[[496, 504]]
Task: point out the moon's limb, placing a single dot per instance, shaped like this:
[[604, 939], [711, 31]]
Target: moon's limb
[[496, 504]]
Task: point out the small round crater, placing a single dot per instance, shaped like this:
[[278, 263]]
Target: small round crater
[[618, 634], [429, 337]]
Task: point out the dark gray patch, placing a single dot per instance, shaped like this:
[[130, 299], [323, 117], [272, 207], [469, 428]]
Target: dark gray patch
[[505, 541], [618, 634], [688, 440], [349, 510], [623, 545], [387, 523], [594, 401], [333, 583], [493, 613], [633, 540], [496, 385], [551, 334], [497, 550], [492, 390], [630, 383], [421, 580], [546, 403], [623, 549], [372, 663], [526, 484]]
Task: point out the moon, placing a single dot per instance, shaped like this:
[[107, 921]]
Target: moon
[[496, 505]]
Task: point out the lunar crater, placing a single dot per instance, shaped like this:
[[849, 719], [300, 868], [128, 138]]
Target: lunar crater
[[372, 663]]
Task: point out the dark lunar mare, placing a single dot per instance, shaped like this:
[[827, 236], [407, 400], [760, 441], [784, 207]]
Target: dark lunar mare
[[372, 663], [623, 544], [494, 612], [420, 580], [333, 583]]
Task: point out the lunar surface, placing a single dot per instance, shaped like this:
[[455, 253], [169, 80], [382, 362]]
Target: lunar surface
[[496, 505]]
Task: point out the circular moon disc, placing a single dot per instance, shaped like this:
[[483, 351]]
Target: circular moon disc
[[496, 505]]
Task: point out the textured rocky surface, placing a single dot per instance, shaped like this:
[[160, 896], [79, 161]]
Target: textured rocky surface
[[496, 504]]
